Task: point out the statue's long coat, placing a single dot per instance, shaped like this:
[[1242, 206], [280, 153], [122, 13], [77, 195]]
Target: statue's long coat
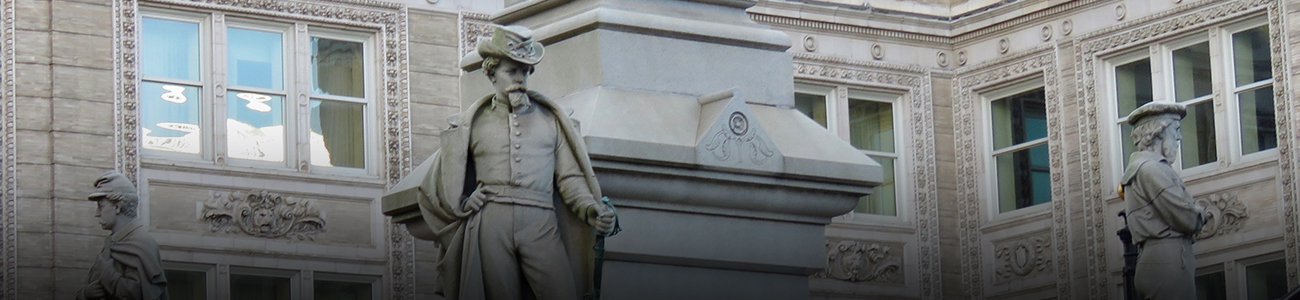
[[451, 178]]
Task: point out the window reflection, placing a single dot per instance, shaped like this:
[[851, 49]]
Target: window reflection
[[172, 49], [334, 290], [338, 134], [1023, 175], [813, 106], [248, 287], [255, 126], [169, 117], [256, 58], [338, 67]]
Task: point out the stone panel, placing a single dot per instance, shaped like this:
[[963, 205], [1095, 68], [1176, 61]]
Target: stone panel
[[32, 14], [75, 182], [177, 209], [437, 89], [82, 18], [33, 147], [37, 283], [78, 149], [82, 50], [436, 59], [430, 119], [76, 216], [83, 83], [431, 27], [94, 117], [34, 181], [77, 251], [424, 145], [35, 114], [35, 46], [34, 82], [35, 249], [36, 218]]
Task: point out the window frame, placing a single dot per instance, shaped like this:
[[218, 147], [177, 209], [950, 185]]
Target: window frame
[[297, 91], [988, 155], [1223, 96], [837, 121]]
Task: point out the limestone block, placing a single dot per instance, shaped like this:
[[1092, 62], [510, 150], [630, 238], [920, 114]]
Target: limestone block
[[34, 181], [430, 88], [635, 281], [35, 46], [77, 251], [35, 114], [431, 27], [93, 117], [83, 83], [76, 216], [68, 281], [33, 147], [35, 218], [35, 247], [423, 146], [87, 150], [35, 81], [430, 119], [82, 50], [431, 58], [32, 15], [38, 282], [75, 182], [84, 18]]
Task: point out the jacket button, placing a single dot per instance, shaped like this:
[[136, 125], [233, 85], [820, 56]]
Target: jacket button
[[518, 159], [518, 133], [516, 146]]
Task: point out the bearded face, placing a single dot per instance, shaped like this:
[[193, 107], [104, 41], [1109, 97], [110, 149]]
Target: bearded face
[[511, 81], [1172, 139]]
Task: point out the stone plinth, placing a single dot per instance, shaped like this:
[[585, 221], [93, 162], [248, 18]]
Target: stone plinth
[[723, 188]]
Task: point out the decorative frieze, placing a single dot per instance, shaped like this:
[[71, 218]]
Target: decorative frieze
[[1023, 258], [860, 261], [473, 26], [263, 214], [1224, 214]]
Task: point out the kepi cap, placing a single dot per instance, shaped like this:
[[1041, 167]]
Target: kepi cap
[[111, 183]]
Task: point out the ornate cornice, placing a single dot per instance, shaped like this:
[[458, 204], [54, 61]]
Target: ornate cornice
[[1156, 27], [1040, 61], [848, 29], [917, 82]]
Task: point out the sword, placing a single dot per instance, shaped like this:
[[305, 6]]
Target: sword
[[600, 253]]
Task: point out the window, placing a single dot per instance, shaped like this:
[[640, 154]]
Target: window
[[1266, 280], [223, 90], [868, 123], [1228, 66], [1022, 174], [1255, 278], [187, 285], [1211, 286], [199, 281], [254, 287], [344, 287]]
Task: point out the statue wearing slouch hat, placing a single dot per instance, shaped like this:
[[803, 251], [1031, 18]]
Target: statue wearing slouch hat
[[129, 266], [1161, 215], [511, 196]]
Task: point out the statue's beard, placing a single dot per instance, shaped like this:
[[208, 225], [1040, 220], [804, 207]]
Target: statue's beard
[[518, 95]]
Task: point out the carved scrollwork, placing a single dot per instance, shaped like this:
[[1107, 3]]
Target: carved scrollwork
[[1224, 214], [263, 214], [1022, 258], [857, 261], [741, 139]]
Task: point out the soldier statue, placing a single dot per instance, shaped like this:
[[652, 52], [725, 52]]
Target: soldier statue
[[129, 267]]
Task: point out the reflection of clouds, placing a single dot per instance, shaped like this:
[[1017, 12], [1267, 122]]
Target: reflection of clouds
[[256, 102], [320, 155], [248, 142], [174, 94], [188, 143]]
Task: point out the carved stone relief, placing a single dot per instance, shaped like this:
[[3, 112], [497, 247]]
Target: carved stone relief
[[1040, 60], [1167, 24], [8, 164], [859, 261], [1023, 258], [923, 166], [473, 26], [263, 214], [1224, 214]]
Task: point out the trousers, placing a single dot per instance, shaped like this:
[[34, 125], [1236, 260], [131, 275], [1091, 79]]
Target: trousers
[[1166, 269], [523, 240]]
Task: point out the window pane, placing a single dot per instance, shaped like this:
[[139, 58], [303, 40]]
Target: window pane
[[256, 58], [871, 125], [1258, 126], [1023, 178], [338, 134], [813, 106], [170, 49], [1018, 119], [187, 285], [1126, 138], [332, 290], [1198, 135], [169, 117], [255, 126], [338, 67], [248, 287], [1192, 72], [881, 201], [1266, 281], [1211, 287], [1251, 55], [1132, 85]]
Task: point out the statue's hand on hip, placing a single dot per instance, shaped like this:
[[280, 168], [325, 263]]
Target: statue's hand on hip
[[475, 200], [601, 218]]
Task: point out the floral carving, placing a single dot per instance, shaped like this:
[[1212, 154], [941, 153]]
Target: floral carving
[[1224, 214], [473, 26], [1022, 258], [8, 165], [740, 138], [857, 261], [263, 214]]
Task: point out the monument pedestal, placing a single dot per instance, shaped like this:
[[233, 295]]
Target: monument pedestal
[[722, 188]]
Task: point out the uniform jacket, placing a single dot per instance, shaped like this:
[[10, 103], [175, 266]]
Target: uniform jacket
[[136, 272], [1158, 205], [451, 178]]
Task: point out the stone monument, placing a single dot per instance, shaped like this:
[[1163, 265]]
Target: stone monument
[[686, 111], [1162, 217], [510, 188], [129, 266]]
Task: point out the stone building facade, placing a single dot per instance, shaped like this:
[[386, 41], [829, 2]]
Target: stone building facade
[[997, 121]]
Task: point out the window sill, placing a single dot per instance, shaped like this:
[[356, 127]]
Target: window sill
[[1018, 217], [250, 171]]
